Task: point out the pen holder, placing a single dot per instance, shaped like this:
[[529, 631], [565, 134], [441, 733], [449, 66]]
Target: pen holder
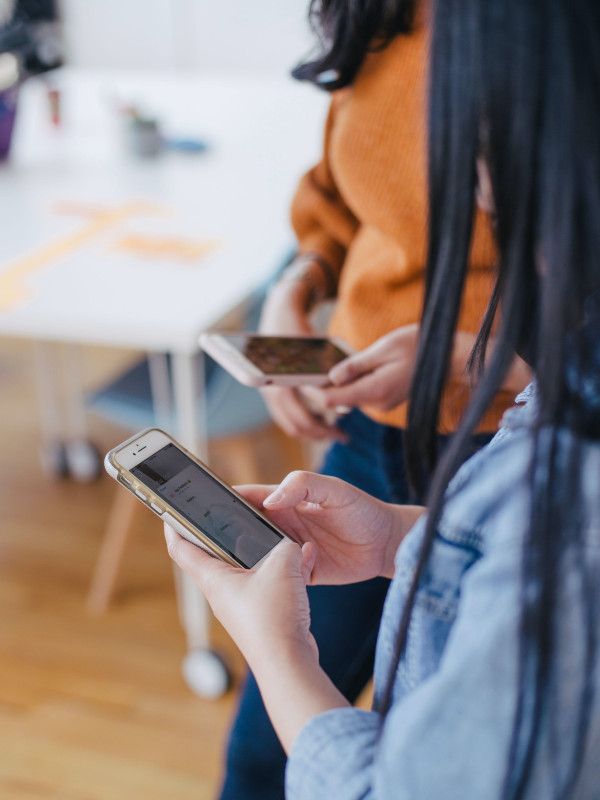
[[144, 137], [8, 110]]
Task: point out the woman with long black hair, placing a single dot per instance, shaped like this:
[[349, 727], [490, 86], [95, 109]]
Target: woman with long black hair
[[360, 217], [487, 670]]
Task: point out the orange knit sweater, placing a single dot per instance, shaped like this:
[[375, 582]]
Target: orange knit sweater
[[364, 209]]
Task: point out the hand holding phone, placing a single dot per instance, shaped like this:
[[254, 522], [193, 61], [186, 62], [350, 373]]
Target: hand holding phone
[[378, 376], [190, 498], [356, 535]]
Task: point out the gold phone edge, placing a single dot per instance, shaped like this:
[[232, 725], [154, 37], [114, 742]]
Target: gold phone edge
[[133, 484]]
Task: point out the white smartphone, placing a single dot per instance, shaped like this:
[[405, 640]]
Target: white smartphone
[[282, 360], [194, 501]]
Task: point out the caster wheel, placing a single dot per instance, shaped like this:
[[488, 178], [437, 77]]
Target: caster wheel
[[205, 674], [53, 460], [83, 461]]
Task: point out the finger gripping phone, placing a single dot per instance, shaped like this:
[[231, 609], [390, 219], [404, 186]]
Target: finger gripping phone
[[258, 360], [186, 494]]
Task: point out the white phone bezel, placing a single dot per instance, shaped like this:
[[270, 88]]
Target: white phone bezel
[[220, 347], [121, 459]]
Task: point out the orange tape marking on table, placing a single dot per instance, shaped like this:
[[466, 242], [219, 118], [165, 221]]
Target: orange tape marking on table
[[158, 247], [13, 284]]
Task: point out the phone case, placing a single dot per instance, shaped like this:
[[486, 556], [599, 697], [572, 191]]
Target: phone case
[[162, 509], [170, 516]]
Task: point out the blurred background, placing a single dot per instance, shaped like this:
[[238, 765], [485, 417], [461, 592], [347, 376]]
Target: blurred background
[[231, 34], [149, 150], [160, 34]]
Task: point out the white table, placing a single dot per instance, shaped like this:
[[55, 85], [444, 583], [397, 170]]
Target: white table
[[83, 220]]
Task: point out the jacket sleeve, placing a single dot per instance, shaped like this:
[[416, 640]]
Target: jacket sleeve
[[321, 220], [447, 737]]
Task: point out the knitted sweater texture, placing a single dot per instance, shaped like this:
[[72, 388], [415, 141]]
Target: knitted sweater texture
[[364, 209]]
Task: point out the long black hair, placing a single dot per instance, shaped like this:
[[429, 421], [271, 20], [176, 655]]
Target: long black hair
[[517, 82], [346, 31]]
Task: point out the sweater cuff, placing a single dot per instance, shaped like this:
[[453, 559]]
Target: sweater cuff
[[333, 753]]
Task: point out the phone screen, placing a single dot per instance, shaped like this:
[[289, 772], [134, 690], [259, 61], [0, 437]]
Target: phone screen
[[207, 504], [289, 355]]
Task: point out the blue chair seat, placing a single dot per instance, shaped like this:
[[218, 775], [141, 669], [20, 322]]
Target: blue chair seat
[[231, 408]]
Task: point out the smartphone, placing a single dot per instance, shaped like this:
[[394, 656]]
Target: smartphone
[[282, 360], [194, 501]]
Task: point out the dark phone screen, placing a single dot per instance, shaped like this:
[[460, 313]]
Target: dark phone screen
[[289, 355], [203, 501]]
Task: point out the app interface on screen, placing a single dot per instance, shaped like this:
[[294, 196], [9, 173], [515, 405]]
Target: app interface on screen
[[207, 505], [276, 355]]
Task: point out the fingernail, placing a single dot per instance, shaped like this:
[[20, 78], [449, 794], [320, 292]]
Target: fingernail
[[336, 374], [273, 499]]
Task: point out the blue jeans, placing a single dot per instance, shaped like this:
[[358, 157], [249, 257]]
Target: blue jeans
[[344, 619]]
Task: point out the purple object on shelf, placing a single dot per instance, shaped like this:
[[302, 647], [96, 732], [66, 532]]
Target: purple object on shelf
[[8, 110]]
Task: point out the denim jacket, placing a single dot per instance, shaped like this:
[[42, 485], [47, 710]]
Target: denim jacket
[[448, 731]]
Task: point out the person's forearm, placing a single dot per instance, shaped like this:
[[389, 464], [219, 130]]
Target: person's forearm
[[300, 287], [294, 689], [404, 519]]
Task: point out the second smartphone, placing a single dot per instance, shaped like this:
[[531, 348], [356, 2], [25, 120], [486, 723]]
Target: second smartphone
[[258, 360]]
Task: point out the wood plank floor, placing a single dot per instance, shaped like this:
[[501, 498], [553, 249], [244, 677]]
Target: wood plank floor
[[91, 708]]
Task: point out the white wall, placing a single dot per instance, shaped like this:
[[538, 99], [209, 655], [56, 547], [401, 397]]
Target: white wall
[[252, 34]]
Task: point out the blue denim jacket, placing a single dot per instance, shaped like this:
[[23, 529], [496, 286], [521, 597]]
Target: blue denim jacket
[[448, 731]]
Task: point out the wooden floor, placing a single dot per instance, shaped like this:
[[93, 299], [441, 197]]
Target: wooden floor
[[92, 708]]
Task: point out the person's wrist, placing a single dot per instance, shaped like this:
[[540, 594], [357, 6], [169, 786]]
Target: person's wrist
[[319, 265], [310, 276], [280, 652], [298, 293], [284, 310], [296, 286]]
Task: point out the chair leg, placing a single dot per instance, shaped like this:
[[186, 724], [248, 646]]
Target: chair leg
[[122, 515]]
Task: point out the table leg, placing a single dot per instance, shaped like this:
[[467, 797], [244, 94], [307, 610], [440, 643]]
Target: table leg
[[188, 391], [76, 419], [65, 449], [203, 670], [52, 453], [83, 459], [160, 386]]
